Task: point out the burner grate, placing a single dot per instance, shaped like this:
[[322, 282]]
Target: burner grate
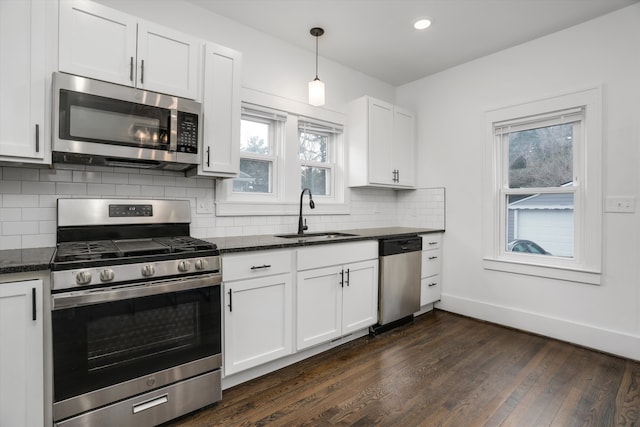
[[76, 251], [186, 244]]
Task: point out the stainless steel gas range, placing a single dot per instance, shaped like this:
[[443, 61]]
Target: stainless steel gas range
[[136, 316]]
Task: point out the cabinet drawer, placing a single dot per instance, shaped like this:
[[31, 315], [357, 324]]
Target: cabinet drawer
[[430, 289], [431, 241], [431, 263], [255, 264], [336, 254]]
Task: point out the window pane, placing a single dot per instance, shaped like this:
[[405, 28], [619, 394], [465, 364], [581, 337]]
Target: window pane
[[254, 137], [314, 147], [541, 157], [255, 177], [316, 179], [540, 224]]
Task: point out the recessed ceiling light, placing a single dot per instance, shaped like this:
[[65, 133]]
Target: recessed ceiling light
[[421, 23]]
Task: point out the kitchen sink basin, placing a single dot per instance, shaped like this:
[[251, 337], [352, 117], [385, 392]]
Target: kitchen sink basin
[[316, 236]]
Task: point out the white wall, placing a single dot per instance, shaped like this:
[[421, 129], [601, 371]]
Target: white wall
[[450, 107]]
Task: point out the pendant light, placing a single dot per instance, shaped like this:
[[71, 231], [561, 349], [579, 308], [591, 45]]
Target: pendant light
[[316, 86]]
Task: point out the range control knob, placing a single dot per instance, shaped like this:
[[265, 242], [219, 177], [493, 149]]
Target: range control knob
[[201, 264], [184, 266], [107, 275], [83, 278], [148, 270]]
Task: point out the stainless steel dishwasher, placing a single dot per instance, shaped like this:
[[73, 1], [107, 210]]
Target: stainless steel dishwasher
[[399, 282]]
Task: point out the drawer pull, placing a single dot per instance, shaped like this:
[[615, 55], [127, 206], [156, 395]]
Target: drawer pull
[[433, 243], [433, 284], [150, 404], [433, 257], [259, 267]]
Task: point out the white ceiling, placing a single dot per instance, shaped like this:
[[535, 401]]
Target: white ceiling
[[377, 38]]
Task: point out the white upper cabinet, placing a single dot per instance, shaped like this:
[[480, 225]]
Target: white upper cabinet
[[23, 76], [105, 44], [382, 147], [221, 110]]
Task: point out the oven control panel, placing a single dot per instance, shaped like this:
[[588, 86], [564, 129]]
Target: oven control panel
[[119, 211]]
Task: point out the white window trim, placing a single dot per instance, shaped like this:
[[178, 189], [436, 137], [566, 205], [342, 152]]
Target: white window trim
[[288, 181], [586, 265]]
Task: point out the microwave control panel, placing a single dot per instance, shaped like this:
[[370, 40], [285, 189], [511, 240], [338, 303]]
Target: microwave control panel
[[187, 132]]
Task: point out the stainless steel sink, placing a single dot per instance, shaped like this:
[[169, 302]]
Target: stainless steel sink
[[316, 236]]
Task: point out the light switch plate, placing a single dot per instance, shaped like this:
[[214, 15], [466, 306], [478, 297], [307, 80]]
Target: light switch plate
[[204, 205], [620, 204]]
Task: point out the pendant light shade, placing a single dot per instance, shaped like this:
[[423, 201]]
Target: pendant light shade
[[316, 86]]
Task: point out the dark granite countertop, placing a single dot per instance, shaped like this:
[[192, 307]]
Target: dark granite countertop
[[38, 259], [264, 241], [25, 260]]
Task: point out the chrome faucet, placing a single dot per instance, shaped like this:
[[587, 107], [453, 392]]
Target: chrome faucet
[[312, 205]]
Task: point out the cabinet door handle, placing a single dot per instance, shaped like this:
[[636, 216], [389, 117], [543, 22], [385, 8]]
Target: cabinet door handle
[[208, 156], [342, 278], [348, 275], [131, 70], [33, 304], [37, 138], [230, 301], [258, 267], [433, 257], [142, 71]]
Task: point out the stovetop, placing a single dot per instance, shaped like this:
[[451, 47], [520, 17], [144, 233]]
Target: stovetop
[[125, 248]]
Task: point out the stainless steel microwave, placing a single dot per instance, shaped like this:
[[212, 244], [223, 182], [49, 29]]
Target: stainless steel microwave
[[105, 124]]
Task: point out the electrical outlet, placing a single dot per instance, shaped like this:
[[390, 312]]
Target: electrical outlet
[[620, 204], [204, 205]]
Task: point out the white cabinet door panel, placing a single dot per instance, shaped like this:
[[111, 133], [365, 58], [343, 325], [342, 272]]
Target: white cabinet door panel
[[258, 321], [167, 61], [97, 41], [319, 303], [360, 296], [381, 142], [21, 354]]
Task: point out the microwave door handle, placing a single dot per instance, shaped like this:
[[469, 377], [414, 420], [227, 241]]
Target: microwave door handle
[[173, 134]]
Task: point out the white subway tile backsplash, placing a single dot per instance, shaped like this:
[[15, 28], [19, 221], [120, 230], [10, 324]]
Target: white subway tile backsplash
[[29, 187], [19, 201], [20, 174], [28, 200]]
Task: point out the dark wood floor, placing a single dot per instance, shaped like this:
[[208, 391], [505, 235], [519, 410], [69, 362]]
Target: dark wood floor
[[443, 370]]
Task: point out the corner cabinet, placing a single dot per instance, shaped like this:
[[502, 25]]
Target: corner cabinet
[[221, 110], [431, 277], [102, 43], [23, 76], [258, 308], [382, 147], [21, 353], [337, 291]]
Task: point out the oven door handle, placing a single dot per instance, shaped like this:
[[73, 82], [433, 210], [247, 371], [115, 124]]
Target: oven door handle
[[136, 290]]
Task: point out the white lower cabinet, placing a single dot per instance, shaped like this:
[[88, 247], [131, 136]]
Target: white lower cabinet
[[21, 354], [431, 277], [335, 300], [258, 308]]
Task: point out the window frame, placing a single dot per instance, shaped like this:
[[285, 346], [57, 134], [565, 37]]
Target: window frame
[[286, 195], [586, 264]]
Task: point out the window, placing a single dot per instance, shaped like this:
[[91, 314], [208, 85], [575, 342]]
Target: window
[[544, 181], [285, 146], [317, 142], [260, 133]]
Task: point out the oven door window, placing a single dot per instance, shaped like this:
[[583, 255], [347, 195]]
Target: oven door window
[[99, 345], [91, 118]]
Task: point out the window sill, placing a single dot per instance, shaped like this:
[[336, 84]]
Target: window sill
[[552, 272], [271, 209]]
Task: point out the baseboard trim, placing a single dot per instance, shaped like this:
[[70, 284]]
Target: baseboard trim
[[604, 340]]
